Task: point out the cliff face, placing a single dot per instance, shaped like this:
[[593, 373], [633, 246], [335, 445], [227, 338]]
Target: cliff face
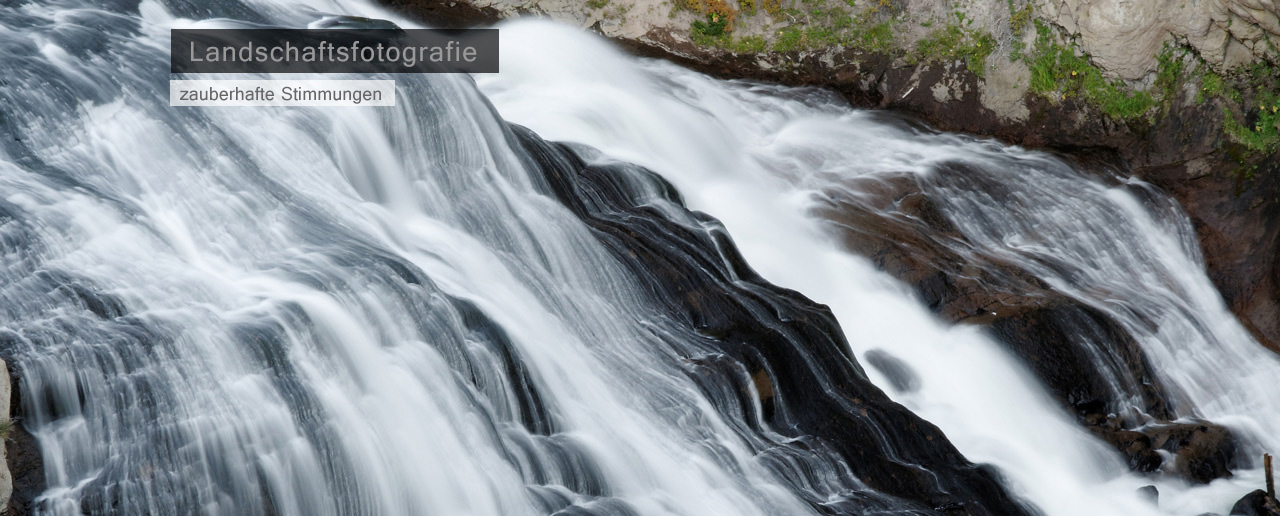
[[21, 466], [1124, 36], [1181, 93]]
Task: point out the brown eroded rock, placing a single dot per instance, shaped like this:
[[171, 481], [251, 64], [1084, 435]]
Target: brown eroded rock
[[1202, 451], [898, 227], [1256, 503], [21, 452]]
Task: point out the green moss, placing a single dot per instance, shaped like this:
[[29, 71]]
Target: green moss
[[1044, 74], [1168, 71], [977, 52], [1120, 104], [821, 27], [840, 20], [1019, 19], [820, 37], [1250, 99], [704, 40], [597, 4], [790, 38], [1211, 86], [748, 45], [878, 37], [748, 7], [1262, 71], [743, 45], [714, 26], [1017, 50], [938, 44], [1260, 132], [1235, 96], [1056, 70], [953, 42]]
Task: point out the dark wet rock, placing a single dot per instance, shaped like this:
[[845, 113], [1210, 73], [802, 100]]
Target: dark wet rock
[[449, 14], [1134, 446], [6, 476], [1150, 494], [23, 455], [1202, 451], [900, 375], [1053, 341], [1079, 353], [1256, 503], [1237, 219], [786, 354]]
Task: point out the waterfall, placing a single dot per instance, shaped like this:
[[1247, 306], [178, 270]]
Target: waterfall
[[423, 309], [767, 161]]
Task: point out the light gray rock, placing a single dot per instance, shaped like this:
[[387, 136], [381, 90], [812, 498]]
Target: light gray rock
[[1124, 36], [626, 19], [6, 477]]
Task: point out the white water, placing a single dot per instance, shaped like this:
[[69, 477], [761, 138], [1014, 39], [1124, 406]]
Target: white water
[[208, 244], [235, 229]]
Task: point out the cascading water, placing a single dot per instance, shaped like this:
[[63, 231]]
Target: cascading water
[[421, 310], [415, 310], [764, 160]]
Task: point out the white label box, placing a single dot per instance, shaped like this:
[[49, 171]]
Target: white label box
[[282, 92]]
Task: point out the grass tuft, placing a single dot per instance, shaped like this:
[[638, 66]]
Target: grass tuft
[[1260, 131], [714, 26], [954, 42], [1057, 72]]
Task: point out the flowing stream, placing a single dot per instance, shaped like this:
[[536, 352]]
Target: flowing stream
[[397, 311], [762, 158]]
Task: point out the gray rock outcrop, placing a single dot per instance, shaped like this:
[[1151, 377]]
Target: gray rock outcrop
[[6, 425], [1124, 36]]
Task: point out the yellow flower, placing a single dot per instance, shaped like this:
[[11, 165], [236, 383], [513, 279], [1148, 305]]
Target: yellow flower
[[1064, 96], [1073, 73], [1273, 109]]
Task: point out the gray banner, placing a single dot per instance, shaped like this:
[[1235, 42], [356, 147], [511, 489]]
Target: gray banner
[[334, 51]]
